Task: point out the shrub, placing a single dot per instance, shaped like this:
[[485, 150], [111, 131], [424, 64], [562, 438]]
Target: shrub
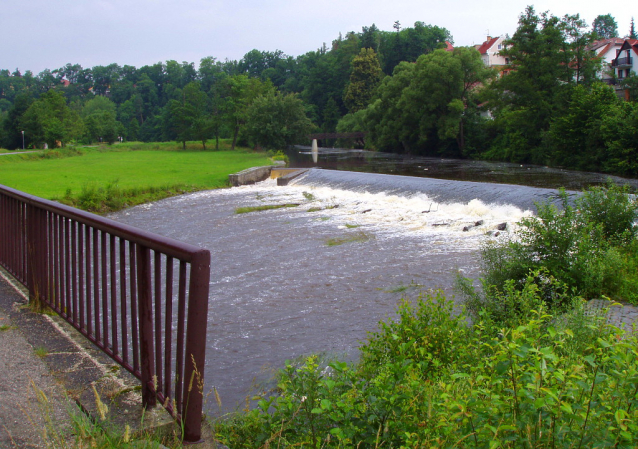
[[429, 379], [583, 245]]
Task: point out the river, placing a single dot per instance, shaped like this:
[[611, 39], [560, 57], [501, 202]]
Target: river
[[317, 277]]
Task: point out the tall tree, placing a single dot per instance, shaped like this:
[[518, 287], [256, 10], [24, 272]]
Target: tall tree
[[49, 120], [364, 79], [276, 120], [605, 27], [189, 117], [632, 30], [548, 55], [241, 91]]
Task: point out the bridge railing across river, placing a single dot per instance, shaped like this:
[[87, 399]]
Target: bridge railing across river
[[140, 297]]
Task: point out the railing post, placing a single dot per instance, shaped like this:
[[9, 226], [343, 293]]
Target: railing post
[[147, 363], [196, 346], [34, 254]]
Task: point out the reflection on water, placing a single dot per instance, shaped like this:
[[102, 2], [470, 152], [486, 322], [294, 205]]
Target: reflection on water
[[454, 169]]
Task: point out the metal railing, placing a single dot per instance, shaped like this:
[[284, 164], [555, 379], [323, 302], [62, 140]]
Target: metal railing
[[140, 297], [619, 62]]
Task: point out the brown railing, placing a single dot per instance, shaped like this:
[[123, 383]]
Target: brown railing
[[140, 297]]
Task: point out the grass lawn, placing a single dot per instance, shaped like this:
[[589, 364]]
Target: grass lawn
[[49, 178], [128, 170]]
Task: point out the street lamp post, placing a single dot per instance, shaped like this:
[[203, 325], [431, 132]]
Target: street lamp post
[[22, 140]]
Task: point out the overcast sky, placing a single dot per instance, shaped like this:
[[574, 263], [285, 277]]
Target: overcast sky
[[39, 34]]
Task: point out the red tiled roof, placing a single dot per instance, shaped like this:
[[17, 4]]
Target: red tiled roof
[[487, 45], [448, 46]]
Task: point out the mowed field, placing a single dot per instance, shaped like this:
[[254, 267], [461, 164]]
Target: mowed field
[[51, 178]]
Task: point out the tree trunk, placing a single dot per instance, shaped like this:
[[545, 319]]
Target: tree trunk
[[236, 133]]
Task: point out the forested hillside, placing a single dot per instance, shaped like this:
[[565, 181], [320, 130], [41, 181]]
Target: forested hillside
[[406, 88]]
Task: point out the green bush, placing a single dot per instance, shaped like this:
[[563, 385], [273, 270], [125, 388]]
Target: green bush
[[429, 379], [585, 245]]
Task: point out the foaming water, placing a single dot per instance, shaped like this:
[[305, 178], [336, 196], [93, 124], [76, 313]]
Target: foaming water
[[316, 277]]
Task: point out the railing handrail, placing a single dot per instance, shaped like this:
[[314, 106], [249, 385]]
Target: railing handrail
[[156, 242]]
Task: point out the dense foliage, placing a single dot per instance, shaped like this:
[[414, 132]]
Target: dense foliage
[[401, 87], [177, 101], [587, 247], [428, 379]]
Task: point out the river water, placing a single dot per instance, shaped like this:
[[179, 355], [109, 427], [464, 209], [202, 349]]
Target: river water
[[317, 277]]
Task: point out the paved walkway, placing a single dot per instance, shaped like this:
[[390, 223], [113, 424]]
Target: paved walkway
[[20, 152], [43, 353], [25, 414]]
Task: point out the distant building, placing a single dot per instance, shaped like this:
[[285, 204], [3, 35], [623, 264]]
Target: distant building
[[490, 51], [607, 50], [625, 63]]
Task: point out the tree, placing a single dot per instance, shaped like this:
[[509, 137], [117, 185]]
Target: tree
[[364, 79], [575, 136], [188, 118], [632, 30], [241, 91], [548, 55], [49, 120], [440, 94], [605, 27], [276, 120], [12, 137]]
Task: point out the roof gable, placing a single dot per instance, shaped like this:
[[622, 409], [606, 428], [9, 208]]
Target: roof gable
[[487, 45]]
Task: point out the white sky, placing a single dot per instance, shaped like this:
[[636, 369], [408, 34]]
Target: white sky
[[39, 34]]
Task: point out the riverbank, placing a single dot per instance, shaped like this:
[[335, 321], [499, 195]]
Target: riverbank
[[110, 178]]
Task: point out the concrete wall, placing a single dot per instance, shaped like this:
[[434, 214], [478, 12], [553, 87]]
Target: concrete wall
[[250, 176]]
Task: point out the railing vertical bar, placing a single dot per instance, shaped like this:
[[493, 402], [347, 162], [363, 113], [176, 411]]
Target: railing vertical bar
[[158, 319], [134, 306], [74, 267], [123, 314], [181, 316], [67, 267], [144, 294], [42, 258], [168, 331], [23, 241], [96, 284], [113, 254], [81, 273], [105, 290], [57, 302], [89, 296], [50, 258], [194, 364]]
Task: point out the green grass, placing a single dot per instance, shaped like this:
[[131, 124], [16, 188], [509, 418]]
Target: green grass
[[7, 327], [41, 352], [358, 237], [248, 209], [133, 170]]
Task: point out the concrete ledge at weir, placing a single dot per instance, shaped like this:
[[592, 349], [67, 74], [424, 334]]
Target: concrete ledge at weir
[[258, 174]]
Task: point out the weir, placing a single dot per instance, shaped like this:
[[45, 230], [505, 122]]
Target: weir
[[315, 278]]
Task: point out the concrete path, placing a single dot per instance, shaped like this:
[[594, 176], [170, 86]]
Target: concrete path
[[25, 380], [20, 152], [40, 353]]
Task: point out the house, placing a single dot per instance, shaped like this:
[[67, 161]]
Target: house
[[625, 63], [490, 51], [606, 50]]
